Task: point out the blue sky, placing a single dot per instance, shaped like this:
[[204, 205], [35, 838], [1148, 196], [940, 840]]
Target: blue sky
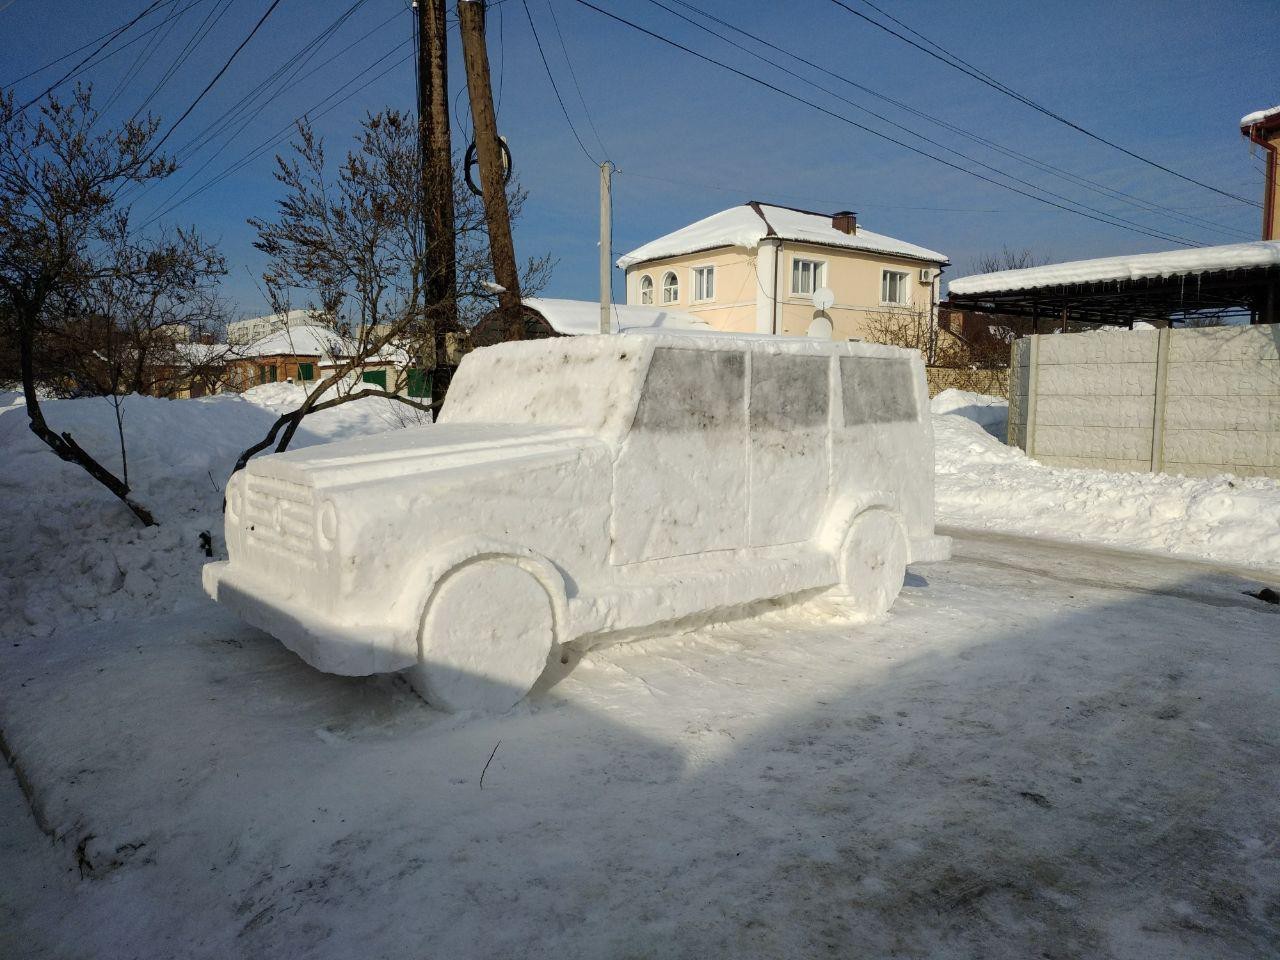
[[1167, 79]]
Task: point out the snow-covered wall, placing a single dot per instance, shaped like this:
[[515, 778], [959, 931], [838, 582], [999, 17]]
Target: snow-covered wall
[[1189, 401]]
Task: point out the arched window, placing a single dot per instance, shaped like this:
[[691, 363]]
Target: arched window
[[670, 288], [646, 289]]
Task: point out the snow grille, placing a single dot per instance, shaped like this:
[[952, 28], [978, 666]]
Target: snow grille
[[280, 519]]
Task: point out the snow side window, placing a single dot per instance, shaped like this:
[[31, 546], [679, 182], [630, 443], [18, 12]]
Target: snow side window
[[704, 283], [646, 289], [894, 289], [876, 390], [806, 276], [670, 288]]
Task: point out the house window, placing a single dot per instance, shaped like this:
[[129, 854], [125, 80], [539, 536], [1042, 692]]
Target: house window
[[670, 288], [894, 289], [807, 276], [646, 289], [306, 371], [704, 283], [267, 373], [377, 378]]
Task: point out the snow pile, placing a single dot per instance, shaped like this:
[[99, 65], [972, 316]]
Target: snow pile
[[355, 419], [990, 413], [983, 484], [74, 554]]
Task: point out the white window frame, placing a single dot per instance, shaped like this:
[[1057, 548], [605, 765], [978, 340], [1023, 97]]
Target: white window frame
[[646, 292], [904, 288], [666, 287], [819, 275], [697, 283]]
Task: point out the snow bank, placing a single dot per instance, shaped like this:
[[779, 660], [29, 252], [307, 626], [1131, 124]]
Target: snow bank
[[355, 419], [74, 554], [983, 484], [990, 413]]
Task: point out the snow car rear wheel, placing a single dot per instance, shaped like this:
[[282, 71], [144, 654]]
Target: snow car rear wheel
[[486, 636], [873, 563]]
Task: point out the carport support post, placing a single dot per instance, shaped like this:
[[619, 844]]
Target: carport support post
[[606, 244]]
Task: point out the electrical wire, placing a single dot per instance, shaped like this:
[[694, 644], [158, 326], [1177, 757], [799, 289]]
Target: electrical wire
[[216, 77], [1109, 192], [554, 88], [1104, 218], [110, 37], [956, 63], [200, 34], [912, 133], [574, 74], [314, 112]]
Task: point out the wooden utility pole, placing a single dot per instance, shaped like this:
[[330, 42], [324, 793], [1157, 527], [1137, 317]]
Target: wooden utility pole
[[440, 293], [606, 244], [493, 186]]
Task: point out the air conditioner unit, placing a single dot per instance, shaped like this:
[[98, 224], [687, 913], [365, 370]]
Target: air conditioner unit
[[926, 274]]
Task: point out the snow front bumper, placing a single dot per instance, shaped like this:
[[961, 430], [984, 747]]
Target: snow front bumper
[[347, 649]]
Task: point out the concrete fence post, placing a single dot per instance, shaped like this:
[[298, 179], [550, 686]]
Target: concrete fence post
[[1033, 386], [1161, 391]]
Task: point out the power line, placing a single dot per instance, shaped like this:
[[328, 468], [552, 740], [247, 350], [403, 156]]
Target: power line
[[956, 63], [913, 133], [1075, 179], [198, 37], [551, 7], [554, 88], [216, 77], [853, 123], [794, 198], [110, 37], [229, 116], [283, 134]]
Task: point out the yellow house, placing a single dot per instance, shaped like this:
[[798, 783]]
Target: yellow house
[[1263, 128], [760, 268]]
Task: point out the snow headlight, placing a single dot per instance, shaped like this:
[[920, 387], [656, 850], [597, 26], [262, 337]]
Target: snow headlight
[[327, 525]]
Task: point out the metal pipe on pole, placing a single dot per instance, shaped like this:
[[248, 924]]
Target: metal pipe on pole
[[475, 57], [606, 246]]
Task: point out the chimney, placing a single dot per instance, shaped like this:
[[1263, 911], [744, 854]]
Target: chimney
[[846, 221]]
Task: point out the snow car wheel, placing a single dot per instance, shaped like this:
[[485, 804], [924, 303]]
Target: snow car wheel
[[486, 635], [873, 563]]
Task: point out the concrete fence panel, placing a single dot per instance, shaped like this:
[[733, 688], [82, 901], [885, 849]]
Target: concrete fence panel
[[1189, 401]]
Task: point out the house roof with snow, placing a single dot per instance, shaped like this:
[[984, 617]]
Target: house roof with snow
[[579, 317], [304, 340], [1142, 266], [1269, 116], [746, 225]]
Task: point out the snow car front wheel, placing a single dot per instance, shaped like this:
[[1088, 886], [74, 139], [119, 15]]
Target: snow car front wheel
[[485, 638], [873, 563]]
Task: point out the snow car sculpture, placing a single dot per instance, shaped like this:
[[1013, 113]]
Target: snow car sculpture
[[580, 486]]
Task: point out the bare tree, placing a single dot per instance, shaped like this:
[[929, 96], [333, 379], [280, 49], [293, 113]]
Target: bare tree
[[352, 246], [1007, 259], [60, 226]]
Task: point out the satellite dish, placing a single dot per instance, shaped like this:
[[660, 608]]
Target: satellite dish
[[823, 298], [819, 329]]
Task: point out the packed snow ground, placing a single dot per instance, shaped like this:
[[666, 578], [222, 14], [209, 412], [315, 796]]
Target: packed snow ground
[[1041, 750], [984, 485]]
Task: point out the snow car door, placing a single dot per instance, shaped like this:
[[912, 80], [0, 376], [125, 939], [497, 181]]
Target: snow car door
[[789, 413], [680, 479]]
